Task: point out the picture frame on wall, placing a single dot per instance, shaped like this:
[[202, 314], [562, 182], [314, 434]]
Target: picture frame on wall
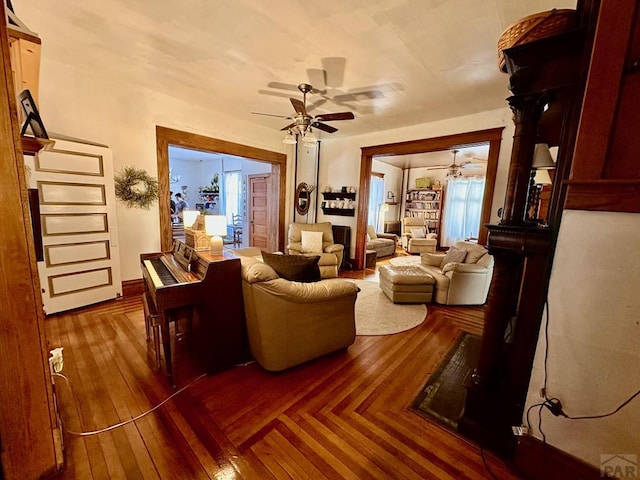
[[33, 119]]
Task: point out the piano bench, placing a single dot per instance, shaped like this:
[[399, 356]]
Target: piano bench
[[152, 324]]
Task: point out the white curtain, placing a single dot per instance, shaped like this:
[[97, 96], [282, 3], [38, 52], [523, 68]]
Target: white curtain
[[462, 209], [376, 203], [231, 196]]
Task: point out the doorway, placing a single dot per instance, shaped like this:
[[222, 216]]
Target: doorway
[[166, 137], [491, 136]]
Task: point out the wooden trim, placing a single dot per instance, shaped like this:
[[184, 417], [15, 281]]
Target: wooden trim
[[603, 88], [132, 288], [535, 460], [604, 195], [493, 136], [377, 174], [27, 417], [167, 136]]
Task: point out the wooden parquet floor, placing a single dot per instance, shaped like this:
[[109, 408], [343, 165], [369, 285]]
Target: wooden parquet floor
[[342, 416]]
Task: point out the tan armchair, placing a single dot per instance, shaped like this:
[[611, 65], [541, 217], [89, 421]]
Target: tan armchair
[[463, 282], [417, 244], [331, 254], [289, 323], [384, 244]]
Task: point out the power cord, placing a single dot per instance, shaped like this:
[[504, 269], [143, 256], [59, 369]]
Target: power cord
[[486, 465], [126, 422], [554, 405]]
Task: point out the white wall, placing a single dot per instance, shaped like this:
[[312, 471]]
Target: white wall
[[340, 157], [594, 333]]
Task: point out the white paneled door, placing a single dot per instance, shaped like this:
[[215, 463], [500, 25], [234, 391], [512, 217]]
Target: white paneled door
[[81, 262]]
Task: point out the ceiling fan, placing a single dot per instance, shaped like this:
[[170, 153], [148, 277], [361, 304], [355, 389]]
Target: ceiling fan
[[303, 123], [455, 169]]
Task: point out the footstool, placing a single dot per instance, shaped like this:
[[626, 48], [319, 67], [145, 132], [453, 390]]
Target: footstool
[[406, 284]]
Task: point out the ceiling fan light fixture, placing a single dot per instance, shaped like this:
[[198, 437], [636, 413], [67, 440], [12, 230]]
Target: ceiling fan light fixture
[[309, 138], [289, 138]]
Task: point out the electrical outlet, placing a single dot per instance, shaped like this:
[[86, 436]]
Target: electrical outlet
[[56, 362], [520, 431]]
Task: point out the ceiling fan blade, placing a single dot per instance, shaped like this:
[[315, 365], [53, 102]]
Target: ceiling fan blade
[[283, 86], [291, 125], [317, 76], [437, 167], [334, 70], [298, 106], [270, 115], [324, 127], [330, 117]]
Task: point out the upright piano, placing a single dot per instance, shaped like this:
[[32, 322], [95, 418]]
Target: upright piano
[[209, 285]]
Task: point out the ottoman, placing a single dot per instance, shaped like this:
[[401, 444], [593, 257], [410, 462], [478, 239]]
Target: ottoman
[[406, 284]]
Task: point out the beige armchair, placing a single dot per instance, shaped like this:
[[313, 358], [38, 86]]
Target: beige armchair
[[461, 282], [289, 323], [384, 244], [424, 243], [330, 253]]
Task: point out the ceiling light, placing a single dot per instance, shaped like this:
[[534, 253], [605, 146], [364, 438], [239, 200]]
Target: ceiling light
[[289, 138], [309, 139]]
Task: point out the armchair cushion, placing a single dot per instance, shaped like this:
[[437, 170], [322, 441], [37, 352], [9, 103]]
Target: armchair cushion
[[418, 233], [454, 255], [311, 242], [297, 268], [371, 232]]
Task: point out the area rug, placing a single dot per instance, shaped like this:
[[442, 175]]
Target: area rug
[[407, 260], [377, 315], [443, 397]]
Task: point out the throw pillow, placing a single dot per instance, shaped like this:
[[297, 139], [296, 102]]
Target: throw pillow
[[453, 255], [311, 242], [418, 233], [296, 268]]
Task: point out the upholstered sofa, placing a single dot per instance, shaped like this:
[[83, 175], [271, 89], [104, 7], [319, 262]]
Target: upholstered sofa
[[288, 322], [330, 253], [384, 244], [460, 282]]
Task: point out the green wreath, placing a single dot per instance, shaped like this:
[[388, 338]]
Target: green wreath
[[136, 188]]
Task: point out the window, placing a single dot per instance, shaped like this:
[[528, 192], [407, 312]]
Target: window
[[232, 195], [376, 202], [462, 209]]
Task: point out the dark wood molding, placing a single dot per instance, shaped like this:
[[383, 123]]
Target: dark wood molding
[[604, 195], [132, 288], [536, 460], [493, 136], [167, 136]]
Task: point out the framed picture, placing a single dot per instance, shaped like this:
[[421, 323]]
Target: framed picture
[[33, 117]]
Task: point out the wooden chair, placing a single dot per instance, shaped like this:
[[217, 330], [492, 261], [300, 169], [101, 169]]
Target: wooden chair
[[237, 229]]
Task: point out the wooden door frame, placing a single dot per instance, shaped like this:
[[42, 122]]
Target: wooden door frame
[[492, 136], [168, 136]]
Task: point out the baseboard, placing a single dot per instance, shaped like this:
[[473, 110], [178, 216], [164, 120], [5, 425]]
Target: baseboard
[[535, 460], [131, 288]]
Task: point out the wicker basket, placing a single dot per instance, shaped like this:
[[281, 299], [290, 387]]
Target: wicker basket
[[535, 27]]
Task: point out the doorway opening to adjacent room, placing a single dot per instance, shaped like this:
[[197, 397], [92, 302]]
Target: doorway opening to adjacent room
[[215, 184], [492, 137], [167, 139]]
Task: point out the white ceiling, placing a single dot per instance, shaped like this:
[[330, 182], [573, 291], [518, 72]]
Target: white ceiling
[[392, 63]]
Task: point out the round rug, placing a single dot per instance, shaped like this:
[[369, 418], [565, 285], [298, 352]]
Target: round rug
[[377, 315], [404, 261]]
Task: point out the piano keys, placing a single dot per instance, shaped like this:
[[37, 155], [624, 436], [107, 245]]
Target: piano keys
[[211, 287]]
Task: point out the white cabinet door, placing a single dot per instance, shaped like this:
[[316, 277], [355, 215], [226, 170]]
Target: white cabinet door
[[81, 263]]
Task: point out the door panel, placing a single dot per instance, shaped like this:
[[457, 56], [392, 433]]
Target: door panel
[[258, 212], [81, 262]]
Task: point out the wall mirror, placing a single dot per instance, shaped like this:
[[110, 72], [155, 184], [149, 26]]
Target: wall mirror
[[303, 198]]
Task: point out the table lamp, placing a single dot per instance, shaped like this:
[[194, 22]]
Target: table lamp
[[216, 227], [189, 217]]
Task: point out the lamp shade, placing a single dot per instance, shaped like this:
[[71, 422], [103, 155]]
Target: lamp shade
[[542, 157], [189, 217], [216, 224], [542, 177]]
